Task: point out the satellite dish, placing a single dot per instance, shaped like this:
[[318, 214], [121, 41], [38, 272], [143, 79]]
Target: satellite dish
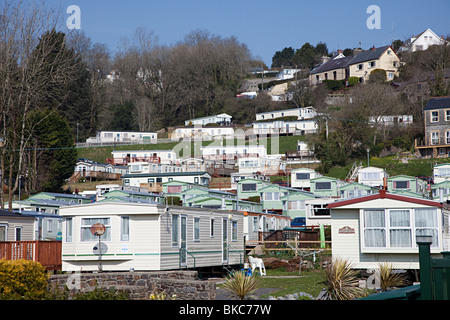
[[97, 229], [98, 250]]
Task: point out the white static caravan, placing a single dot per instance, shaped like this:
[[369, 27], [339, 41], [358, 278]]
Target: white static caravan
[[123, 157], [383, 227], [441, 172], [150, 237], [200, 132], [372, 176], [301, 177], [124, 136]]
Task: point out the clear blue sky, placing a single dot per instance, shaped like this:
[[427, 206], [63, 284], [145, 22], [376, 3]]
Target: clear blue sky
[[265, 26]]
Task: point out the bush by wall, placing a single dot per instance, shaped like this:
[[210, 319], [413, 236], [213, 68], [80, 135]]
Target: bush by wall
[[22, 280]]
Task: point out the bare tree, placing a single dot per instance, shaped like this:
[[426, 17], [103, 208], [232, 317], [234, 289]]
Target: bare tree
[[30, 64]]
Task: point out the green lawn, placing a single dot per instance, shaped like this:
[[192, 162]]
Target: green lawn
[[292, 282]]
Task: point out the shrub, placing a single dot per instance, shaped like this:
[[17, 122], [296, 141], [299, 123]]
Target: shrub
[[341, 281], [102, 294], [389, 278], [241, 284], [334, 85], [22, 280], [352, 81]]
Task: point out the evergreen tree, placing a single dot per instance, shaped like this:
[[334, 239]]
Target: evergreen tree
[[53, 156]]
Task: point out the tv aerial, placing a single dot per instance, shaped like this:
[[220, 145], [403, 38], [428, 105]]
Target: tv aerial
[[98, 229]]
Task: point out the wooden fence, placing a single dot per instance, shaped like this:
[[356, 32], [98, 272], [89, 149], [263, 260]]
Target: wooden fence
[[47, 253], [291, 240]]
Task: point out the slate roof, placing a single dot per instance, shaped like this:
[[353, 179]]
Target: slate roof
[[333, 64], [438, 103], [350, 60]]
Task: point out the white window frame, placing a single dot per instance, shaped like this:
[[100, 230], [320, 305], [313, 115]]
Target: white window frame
[[433, 117], [175, 234], [211, 227], [414, 228], [125, 229], [69, 229], [196, 229], [434, 138], [234, 230]]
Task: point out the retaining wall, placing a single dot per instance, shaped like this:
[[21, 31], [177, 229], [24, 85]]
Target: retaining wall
[[184, 284]]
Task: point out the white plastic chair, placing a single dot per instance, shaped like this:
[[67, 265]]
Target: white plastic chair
[[257, 263]]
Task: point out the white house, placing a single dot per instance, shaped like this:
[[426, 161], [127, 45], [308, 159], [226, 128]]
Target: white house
[[150, 237], [372, 176], [114, 136], [123, 157], [422, 41], [300, 113], [232, 152], [300, 178], [222, 118], [441, 172], [286, 74], [382, 227], [279, 127]]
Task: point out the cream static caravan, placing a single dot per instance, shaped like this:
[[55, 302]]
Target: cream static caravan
[[382, 227], [150, 237]]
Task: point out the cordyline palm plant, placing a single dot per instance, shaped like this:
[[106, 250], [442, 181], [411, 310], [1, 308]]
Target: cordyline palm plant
[[388, 278], [241, 284], [341, 281]]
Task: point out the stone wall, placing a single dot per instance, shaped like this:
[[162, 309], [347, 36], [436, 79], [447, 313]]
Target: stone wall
[[184, 284]]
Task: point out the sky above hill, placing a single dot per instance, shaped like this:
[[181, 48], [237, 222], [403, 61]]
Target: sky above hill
[[264, 26]]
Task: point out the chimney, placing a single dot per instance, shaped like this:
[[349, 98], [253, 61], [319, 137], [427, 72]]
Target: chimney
[[340, 51], [382, 193], [373, 48]]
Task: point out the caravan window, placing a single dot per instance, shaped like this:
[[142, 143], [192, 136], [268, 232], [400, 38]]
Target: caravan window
[[323, 185], [234, 230], [249, 187], [124, 228], [401, 184], [86, 224], [196, 229], [174, 230], [302, 176], [396, 228]]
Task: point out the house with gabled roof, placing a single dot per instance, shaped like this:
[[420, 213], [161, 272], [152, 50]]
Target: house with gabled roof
[[422, 41], [383, 227], [360, 65]]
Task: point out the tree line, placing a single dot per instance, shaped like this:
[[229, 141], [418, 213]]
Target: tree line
[[57, 87]]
